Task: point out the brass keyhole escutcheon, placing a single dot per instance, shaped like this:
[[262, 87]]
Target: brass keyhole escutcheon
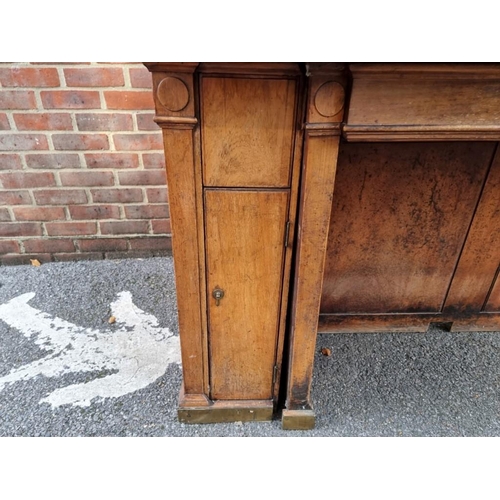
[[217, 294]]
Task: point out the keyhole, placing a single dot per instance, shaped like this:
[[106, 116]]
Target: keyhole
[[217, 294]]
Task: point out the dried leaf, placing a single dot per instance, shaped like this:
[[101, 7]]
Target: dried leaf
[[35, 262], [112, 319], [326, 352]]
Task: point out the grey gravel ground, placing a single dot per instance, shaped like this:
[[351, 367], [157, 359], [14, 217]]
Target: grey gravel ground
[[432, 384]]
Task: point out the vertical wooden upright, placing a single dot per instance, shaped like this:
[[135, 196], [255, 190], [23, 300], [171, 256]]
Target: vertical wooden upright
[[325, 111], [174, 94]]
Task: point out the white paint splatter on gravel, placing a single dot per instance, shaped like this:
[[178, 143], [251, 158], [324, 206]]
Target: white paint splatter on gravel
[[135, 349]]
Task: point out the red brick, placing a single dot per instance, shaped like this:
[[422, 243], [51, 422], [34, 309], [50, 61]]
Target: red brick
[[87, 178], [4, 215], [70, 99], [10, 162], [60, 197], [16, 180], [153, 160], [94, 212], [149, 178], [49, 246], [141, 78], [94, 77], [112, 160], [15, 198], [157, 195], [146, 211], [116, 195], [145, 122], [23, 142], [103, 245], [104, 121], [43, 121], [17, 99], [122, 255], [79, 142], [119, 99], [70, 228], [124, 227], [155, 243], [39, 214], [9, 246], [4, 122], [72, 257], [137, 254], [20, 229], [25, 258], [138, 142], [57, 160], [29, 77], [161, 226]]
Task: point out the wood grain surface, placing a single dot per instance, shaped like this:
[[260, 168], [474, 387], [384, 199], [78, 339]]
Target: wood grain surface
[[476, 270], [320, 151], [424, 102], [247, 131], [400, 217], [493, 302], [315, 207], [245, 251], [183, 211]]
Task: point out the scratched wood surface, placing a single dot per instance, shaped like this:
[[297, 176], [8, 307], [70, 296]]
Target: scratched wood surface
[[245, 251], [247, 131], [400, 216]]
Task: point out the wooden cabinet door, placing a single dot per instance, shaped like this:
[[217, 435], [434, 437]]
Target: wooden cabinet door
[[475, 289], [244, 231]]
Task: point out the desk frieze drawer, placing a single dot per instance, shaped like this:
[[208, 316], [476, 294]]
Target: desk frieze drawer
[[424, 102]]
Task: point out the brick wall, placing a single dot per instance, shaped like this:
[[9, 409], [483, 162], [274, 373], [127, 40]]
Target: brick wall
[[81, 163]]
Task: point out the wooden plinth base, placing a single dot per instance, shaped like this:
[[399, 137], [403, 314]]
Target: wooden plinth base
[[298, 420], [227, 411]]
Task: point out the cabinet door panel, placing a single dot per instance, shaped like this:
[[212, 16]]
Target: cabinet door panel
[[480, 258], [400, 216], [245, 250], [248, 128]]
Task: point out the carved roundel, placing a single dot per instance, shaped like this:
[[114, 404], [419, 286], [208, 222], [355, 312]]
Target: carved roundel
[[173, 94], [329, 99]]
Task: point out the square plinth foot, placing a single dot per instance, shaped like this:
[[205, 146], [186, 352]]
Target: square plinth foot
[[298, 420], [228, 411]]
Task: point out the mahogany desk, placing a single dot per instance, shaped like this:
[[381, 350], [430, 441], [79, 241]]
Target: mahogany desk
[[323, 197]]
